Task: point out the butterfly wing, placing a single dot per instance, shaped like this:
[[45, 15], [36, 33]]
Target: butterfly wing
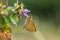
[[30, 26]]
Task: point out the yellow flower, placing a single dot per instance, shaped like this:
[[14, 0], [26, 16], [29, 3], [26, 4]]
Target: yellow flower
[[1, 4], [7, 28], [1, 12]]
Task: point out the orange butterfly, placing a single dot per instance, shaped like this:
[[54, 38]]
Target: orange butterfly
[[30, 25]]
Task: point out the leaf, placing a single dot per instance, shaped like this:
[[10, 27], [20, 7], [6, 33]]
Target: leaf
[[14, 19], [6, 12], [16, 4], [9, 11], [7, 19], [2, 21]]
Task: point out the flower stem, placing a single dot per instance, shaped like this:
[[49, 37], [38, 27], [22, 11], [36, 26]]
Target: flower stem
[[6, 3]]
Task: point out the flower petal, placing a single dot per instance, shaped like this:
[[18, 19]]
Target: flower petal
[[26, 15], [25, 12]]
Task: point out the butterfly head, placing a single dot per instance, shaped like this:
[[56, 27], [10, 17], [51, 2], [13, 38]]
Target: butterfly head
[[30, 18]]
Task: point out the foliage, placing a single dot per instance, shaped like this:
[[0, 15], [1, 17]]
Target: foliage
[[11, 15]]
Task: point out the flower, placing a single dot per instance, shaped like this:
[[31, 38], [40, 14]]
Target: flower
[[1, 4], [25, 12]]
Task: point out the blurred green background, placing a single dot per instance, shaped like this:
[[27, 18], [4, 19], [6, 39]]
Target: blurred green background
[[46, 15]]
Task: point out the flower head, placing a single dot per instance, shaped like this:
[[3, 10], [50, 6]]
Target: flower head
[[25, 12]]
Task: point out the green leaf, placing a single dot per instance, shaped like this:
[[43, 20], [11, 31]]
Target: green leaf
[[14, 19], [9, 11], [16, 4], [7, 19], [6, 12], [2, 21]]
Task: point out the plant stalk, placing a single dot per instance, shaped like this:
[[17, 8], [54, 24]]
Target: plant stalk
[[6, 3]]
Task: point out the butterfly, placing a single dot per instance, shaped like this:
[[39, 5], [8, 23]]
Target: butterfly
[[30, 26]]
